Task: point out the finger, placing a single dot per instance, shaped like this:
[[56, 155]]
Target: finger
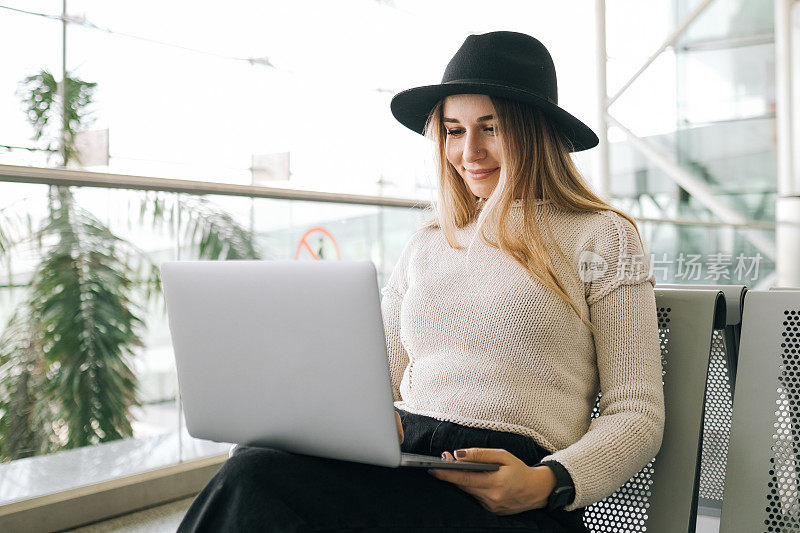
[[478, 492], [463, 478], [486, 455], [448, 456]]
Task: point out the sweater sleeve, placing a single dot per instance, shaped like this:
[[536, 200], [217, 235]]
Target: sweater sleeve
[[628, 431], [391, 306]]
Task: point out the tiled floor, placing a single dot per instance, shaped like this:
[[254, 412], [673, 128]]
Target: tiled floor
[[162, 519]]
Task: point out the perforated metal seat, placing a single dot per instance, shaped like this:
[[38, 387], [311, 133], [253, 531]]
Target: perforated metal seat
[[763, 471], [662, 497], [719, 398]]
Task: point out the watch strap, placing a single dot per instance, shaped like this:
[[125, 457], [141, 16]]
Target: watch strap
[[564, 492]]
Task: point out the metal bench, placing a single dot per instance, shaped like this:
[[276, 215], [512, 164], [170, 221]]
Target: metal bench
[[663, 496], [762, 485]]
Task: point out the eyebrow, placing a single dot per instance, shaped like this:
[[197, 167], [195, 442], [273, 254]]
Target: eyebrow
[[480, 119]]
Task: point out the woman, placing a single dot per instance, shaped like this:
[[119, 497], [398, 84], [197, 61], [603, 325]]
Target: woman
[[496, 349]]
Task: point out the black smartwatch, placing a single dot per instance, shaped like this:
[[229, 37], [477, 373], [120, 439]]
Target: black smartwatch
[[564, 492]]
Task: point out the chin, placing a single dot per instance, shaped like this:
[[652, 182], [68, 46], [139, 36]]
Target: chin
[[483, 192], [479, 188]]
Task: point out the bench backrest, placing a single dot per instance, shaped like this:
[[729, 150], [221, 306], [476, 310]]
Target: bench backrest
[[762, 484], [719, 397], [662, 497]]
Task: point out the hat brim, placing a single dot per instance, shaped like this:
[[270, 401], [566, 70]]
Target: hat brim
[[412, 107]]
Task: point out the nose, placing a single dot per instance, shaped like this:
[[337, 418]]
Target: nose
[[473, 148]]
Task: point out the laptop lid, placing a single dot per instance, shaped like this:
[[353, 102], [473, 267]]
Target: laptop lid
[[284, 354]]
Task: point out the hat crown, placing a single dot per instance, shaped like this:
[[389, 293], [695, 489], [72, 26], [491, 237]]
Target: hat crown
[[508, 58], [503, 64]]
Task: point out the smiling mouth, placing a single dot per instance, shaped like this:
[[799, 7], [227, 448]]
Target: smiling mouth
[[480, 174]]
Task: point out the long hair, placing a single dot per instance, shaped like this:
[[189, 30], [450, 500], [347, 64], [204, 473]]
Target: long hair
[[535, 165]]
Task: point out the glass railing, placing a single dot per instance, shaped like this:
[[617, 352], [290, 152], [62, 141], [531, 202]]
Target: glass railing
[[119, 237], [106, 228], [709, 253], [735, 160]]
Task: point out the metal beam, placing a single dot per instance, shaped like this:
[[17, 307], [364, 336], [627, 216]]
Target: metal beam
[[764, 226], [701, 191], [726, 43], [669, 41], [82, 178]]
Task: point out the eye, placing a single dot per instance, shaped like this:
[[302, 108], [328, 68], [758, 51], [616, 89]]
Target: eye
[[459, 131]]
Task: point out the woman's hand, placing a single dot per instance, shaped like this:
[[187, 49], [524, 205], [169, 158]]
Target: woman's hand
[[399, 427], [514, 488]]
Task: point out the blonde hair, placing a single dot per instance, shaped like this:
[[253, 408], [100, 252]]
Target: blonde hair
[[535, 165]]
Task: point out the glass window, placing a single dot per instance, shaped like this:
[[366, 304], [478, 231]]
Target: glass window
[[233, 94], [726, 84], [92, 277], [727, 19], [36, 45]]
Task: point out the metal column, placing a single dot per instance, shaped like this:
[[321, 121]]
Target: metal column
[[672, 169], [601, 164], [787, 124]]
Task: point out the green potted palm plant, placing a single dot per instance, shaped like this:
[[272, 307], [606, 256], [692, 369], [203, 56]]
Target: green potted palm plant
[[65, 354]]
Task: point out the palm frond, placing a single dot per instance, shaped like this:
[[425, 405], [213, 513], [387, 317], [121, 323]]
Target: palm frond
[[16, 223], [41, 101], [38, 94], [210, 230], [66, 378], [5, 238], [82, 296], [206, 229], [78, 95], [23, 432]]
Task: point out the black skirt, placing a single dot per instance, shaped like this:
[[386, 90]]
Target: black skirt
[[263, 489]]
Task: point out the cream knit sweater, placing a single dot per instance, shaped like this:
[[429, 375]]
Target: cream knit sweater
[[484, 345]]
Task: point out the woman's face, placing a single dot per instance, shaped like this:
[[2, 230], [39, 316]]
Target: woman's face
[[471, 143]]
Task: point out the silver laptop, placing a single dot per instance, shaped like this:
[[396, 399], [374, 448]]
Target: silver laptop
[[289, 355]]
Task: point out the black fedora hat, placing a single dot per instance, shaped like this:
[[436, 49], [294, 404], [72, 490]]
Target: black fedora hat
[[505, 64]]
